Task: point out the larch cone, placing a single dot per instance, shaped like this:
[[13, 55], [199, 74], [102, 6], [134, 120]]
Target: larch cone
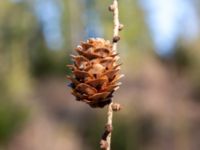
[[95, 72]]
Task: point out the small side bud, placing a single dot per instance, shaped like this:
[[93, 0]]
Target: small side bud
[[111, 8], [121, 26], [103, 144], [116, 107], [116, 39], [109, 128]]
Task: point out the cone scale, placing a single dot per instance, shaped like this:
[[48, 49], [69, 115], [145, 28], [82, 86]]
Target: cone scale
[[95, 72]]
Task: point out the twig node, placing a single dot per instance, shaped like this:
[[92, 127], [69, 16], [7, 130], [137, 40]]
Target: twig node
[[109, 128], [121, 26], [116, 39], [103, 144], [111, 8], [116, 107]]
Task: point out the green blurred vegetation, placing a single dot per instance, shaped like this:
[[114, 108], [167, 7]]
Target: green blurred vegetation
[[14, 62], [12, 118]]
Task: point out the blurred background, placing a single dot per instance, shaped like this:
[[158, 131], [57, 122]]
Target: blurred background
[[160, 95]]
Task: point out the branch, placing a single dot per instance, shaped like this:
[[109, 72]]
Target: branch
[[109, 125], [105, 142], [116, 37]]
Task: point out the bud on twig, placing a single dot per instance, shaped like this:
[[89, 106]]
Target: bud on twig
[[111, 8], [121, 26], [116, 39], [103, 144], [109, 128], [116, 107]]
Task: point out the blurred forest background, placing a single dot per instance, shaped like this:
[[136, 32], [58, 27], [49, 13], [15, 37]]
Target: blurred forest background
[[160, 52]]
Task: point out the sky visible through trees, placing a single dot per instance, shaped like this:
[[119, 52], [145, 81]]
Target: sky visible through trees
[[167, 20]]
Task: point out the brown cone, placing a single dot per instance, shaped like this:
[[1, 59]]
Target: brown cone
[[95, 72]]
